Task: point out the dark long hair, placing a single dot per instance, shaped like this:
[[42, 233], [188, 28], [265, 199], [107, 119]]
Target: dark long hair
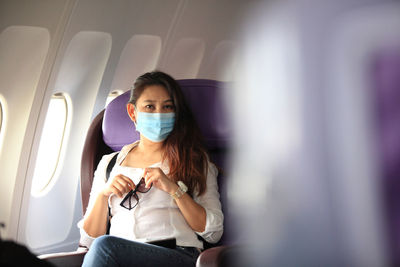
[[184, 148]]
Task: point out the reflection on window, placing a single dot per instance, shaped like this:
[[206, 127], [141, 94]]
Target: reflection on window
[[113, 95], [51, 143]]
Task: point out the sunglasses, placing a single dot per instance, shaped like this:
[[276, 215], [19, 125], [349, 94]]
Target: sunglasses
[[132, 199]]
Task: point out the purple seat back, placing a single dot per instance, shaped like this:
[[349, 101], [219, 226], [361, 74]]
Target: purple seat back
[[204, 97], [118, 128], [386, 77]]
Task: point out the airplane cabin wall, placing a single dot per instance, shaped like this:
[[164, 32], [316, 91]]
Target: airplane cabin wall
[[30, 33]]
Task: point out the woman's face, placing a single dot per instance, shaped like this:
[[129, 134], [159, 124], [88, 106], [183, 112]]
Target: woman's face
[[154, 99]]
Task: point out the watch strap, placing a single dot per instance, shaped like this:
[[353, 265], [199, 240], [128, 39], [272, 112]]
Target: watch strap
[[182, 189]]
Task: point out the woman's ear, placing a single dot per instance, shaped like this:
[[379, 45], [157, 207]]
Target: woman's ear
[[130, 108]]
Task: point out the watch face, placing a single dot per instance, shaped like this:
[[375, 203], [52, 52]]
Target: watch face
[[182, 186]]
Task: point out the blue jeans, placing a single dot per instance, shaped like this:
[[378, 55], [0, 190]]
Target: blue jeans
[[114, 251]]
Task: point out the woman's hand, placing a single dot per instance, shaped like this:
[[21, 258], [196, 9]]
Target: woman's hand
[[157, 178], [119, 185], [194, 214], [95, 224]]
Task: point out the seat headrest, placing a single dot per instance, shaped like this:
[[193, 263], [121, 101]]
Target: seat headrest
[[204, 97], [118, 128]]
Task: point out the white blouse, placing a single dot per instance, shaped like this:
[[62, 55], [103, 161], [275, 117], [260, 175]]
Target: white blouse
[[156, 216]]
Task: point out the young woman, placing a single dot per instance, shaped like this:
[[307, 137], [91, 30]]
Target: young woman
[[161, 187]]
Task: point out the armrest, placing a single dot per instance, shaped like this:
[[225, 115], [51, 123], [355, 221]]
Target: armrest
[[65, 259], [211, 257]]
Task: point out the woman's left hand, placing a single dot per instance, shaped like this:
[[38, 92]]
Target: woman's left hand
[[158, 178], [194, 214]]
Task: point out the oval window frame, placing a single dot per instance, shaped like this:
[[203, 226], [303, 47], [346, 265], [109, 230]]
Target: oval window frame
[[45, 187]]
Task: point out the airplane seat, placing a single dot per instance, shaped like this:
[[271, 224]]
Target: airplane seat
[[94, 149], [386, 96], [112, 128]]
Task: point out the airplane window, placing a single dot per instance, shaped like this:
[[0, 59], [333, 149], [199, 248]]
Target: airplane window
[[1, 122], [1, 117], [113, 95], [51, 142]]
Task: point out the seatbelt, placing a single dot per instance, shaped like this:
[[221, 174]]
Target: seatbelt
[[110, 166]]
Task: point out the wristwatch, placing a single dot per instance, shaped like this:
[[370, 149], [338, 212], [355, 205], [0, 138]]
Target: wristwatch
[[182, 189]]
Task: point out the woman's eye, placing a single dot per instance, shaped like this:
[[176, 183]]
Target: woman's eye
[[149, 106], [169, 107]]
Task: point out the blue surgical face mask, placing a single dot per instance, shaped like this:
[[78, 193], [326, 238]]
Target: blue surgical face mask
[[155, 126]]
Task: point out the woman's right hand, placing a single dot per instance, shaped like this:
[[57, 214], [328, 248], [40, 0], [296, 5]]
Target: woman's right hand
[[119, 185]]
